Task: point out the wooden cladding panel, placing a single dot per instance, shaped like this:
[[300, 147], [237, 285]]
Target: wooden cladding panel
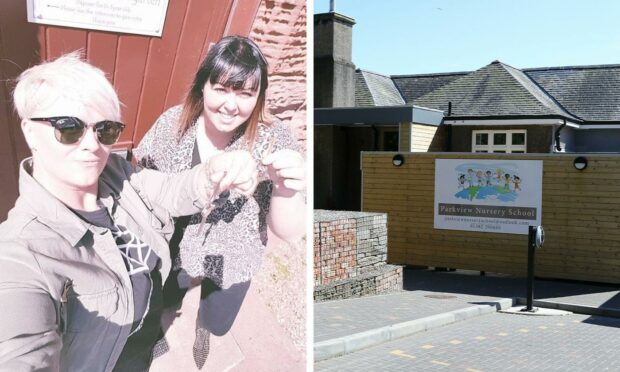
[[130, 65], [158, 70], [404, 137], [62, 40], [242, 16], [202, 26], [19, 50], [422, 136], [101, 51], [580, 213]]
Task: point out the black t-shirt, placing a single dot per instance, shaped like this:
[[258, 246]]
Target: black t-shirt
[[142, 264]]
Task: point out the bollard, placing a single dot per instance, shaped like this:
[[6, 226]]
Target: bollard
[[536, 237]]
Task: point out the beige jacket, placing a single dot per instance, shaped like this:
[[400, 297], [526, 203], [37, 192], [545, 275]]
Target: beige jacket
[[66, 299]]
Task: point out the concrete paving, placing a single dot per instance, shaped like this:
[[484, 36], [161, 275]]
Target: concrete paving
[[433, 299], [268, 333], [496, 342], [333, 319]]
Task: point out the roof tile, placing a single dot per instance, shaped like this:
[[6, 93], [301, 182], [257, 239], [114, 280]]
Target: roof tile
[[375, 90]]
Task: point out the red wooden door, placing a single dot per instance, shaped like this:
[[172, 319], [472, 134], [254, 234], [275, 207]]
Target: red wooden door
[[150, 74]]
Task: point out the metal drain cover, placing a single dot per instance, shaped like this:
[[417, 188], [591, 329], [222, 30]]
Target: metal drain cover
[[440, 297]]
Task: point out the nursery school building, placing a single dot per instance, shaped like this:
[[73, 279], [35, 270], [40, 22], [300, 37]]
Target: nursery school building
[[380, 139]]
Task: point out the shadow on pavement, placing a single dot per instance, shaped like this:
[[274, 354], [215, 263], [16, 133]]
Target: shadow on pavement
[[603, 321], [597, 295]]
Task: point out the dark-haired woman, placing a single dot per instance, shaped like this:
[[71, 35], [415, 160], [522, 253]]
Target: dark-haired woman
[[222, 248]]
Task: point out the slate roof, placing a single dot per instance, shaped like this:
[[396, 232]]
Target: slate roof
[[591, 93], [415, 86], [372, 89], [494, 90], [579, 93]]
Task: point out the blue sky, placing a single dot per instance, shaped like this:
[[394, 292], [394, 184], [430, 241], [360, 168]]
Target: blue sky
[[395, 37]]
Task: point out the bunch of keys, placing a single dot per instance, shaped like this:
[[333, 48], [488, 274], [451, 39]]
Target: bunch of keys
[[218, 200]]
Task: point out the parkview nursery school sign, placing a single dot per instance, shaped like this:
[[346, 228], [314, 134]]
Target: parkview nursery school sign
[[500, 196]]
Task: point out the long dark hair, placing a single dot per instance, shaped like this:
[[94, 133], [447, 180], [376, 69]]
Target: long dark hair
[[233, 62]]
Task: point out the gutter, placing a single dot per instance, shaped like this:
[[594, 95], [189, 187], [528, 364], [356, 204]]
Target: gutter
[[497, 121], [558, 147]]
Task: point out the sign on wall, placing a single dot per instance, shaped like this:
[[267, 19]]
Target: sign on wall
[[143, 17], [500, 196]]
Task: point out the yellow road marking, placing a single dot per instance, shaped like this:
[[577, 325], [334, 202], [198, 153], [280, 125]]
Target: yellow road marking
[[440, 363], [523, 330], [480, 338], [401, 354], [456, 342], [502, 334], [428, 347], [542, 327], [560, 324], [473, 370]]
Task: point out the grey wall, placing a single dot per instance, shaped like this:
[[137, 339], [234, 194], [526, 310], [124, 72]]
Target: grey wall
[[597, 140], [334, 83], [334, 71], [333, 36], [337, 175]]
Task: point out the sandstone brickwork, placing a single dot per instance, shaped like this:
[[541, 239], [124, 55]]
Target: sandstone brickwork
[[280, 31]]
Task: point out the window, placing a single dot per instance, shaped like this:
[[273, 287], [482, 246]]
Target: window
[[499, 141], [390, 141]]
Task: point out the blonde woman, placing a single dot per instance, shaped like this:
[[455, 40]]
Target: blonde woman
[[84, 252]]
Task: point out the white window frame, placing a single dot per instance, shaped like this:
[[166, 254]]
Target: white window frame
[[491, 147]]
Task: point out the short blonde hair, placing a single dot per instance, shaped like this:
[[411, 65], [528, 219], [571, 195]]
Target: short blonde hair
[[68, 76]]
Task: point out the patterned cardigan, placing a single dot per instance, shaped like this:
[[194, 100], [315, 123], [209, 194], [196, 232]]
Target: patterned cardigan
[[231, 250]]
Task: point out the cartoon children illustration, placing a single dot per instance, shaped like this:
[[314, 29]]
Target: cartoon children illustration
[[507, 182], [470, 177], [480, 178], [499, 172], [517, 181], [461, 181], [488, 177]]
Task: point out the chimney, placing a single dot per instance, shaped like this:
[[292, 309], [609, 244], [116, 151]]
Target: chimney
[[334, 71]]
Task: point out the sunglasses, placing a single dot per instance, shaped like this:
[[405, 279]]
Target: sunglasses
[[69, 130]]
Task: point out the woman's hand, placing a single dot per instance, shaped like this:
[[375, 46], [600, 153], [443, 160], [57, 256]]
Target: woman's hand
[[286, 169], [233, 170]]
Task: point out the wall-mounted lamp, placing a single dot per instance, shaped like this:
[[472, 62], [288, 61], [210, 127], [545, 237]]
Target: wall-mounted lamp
[[398, 160], [580, 163]]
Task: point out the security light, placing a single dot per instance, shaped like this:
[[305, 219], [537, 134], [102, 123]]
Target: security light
[[580, 163], [398, 160]]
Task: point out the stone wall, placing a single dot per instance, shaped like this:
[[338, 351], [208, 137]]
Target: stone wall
[[280, 31], [384, 279], [350, 252], [337, 253], [371, 233]]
